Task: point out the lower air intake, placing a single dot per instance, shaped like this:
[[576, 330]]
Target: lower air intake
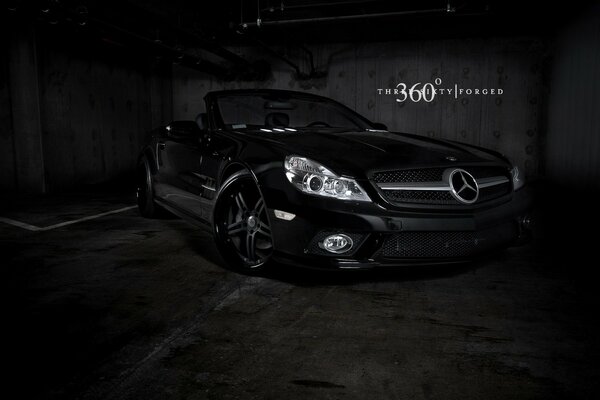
[[446, 244]]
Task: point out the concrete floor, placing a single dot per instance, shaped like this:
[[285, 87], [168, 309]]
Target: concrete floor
[[120, 307]]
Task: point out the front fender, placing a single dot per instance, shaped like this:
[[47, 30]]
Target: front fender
[[148, 152]]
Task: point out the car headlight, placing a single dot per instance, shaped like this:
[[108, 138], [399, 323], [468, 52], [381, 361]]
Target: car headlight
[[313, 178], [517, 178]]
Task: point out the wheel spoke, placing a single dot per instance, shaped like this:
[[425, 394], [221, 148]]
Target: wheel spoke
[[264, 231], [260, 206], [265, 227], [235, 231], [236, 227], [250, 246], [239, 199]]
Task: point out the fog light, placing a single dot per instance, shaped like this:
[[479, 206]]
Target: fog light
[[338, 243], [526, 222]]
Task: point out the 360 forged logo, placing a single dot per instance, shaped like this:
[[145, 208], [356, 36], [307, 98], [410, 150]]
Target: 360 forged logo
[[428, 91]]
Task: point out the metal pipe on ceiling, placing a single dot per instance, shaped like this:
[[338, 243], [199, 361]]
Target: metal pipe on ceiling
[[300, 21]]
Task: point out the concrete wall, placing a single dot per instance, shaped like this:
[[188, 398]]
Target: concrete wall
[[21, 152], [80, 109], [7, 159], [573, 144], [512, 123]]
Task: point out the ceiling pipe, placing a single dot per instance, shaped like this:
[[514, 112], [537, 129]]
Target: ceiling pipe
[[300, 21]]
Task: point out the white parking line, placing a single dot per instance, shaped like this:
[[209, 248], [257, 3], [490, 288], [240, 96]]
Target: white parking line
[[47, 228]]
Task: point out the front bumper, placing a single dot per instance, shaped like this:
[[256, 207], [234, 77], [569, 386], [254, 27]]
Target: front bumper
[[385, 237]]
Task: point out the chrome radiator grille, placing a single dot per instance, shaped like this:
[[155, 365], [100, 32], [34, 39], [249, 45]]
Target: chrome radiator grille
[[432, 186]]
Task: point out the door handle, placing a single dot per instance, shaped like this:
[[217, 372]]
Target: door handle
[[161, 145]]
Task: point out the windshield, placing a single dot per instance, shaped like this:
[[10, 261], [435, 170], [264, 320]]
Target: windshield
[[286, 113]]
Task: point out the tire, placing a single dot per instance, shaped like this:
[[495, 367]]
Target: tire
[[145, 190], [241, 225]]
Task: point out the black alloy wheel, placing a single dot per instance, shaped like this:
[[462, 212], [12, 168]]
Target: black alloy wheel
[[242, 229]]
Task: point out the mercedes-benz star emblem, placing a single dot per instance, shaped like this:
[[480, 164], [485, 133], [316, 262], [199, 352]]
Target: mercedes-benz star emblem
[[463, 186]]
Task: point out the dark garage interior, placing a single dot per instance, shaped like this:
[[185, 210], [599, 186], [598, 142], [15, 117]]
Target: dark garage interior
[[101, 303]]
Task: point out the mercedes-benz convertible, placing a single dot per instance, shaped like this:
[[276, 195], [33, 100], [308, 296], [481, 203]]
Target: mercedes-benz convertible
[[282, 177]]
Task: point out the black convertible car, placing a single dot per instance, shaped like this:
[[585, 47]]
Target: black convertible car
[[298, 178]]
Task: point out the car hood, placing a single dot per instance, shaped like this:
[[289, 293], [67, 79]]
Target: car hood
[[364, 152]]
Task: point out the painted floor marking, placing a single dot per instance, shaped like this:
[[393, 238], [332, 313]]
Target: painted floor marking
[[60, 225]]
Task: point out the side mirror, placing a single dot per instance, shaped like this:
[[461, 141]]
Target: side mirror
[[380, 126], [183, 130]]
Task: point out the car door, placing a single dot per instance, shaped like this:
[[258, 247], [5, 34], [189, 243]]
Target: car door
[[180, 181], [217, 150]]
